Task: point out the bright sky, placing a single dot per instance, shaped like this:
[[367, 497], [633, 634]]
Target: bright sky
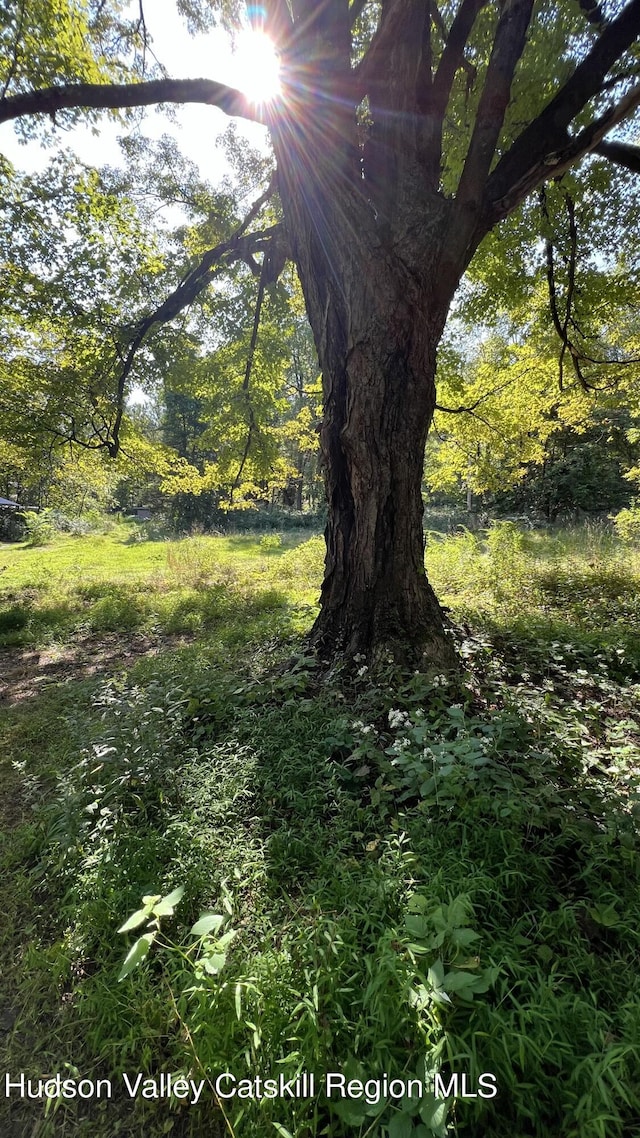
[[196, 127]]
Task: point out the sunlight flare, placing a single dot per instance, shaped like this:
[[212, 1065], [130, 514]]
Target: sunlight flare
[[257, 66]]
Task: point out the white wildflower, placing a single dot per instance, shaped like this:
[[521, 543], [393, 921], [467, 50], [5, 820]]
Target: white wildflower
[[398, 718]]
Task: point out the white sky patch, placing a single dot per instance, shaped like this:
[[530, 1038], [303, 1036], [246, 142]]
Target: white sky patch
[[252, 67]]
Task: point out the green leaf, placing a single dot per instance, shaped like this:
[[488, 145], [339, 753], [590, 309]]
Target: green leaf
[[435, 975], [400, 1126], [605, 915], [460, 982], [417, 903], [433, 1113], [136, 954], [282, 1130], [458, 910], [136, 919], [208, 923], [225, 941], [167, 904], [351, 1111], [214, 962], [416, 926], [463, 937]]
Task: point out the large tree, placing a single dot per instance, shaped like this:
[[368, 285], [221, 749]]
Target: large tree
[[405, 132]]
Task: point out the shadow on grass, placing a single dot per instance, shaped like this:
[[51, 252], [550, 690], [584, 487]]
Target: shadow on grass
[[414, 871], [109, 607]]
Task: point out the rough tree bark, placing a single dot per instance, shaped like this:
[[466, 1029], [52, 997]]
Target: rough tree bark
[[377, 322], [366, 243]]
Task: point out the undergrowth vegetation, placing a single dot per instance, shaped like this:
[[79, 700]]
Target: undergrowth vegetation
[[400, 875]]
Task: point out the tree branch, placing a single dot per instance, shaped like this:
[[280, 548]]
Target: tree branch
[[107, 96], [452, 57], [468, 410], [562, 326], [247, 377], [241, 246], [508, 46], [544, 148], [554, 164], [451, 60], [209, 267], [391, 70], [622, 153]]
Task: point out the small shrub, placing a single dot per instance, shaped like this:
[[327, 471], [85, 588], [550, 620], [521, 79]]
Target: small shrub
[[627, 524], [63, 523], [40, 528], [507, 560], [14, 618], [270, 543]]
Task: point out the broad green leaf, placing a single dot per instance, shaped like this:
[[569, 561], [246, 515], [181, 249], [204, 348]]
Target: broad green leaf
[[417, 903], [400, 1126], [213, 962], [208, 923], [136, 919], [463, 937], [136, 954], [166, 905], [433, 1113]]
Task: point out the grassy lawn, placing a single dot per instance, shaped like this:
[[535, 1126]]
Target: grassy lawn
[[106, 584], [409, 875]]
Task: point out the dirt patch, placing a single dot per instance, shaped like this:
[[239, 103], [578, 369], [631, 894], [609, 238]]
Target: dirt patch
[[24, 672]]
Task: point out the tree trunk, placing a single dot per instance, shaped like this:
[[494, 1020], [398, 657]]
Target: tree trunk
[[376, 599], [376, 329], [372, 297]]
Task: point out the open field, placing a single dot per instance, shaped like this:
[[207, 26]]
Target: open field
[[421, 875]]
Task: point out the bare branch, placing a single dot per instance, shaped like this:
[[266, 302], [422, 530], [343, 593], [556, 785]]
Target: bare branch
[[571, 346], [451, 60], [553, 165], [107, 96], [452, 57], [562, 326], [468, 410]]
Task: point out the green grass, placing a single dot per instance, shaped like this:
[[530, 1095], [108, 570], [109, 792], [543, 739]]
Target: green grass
[[80, 587], [420, 875]]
